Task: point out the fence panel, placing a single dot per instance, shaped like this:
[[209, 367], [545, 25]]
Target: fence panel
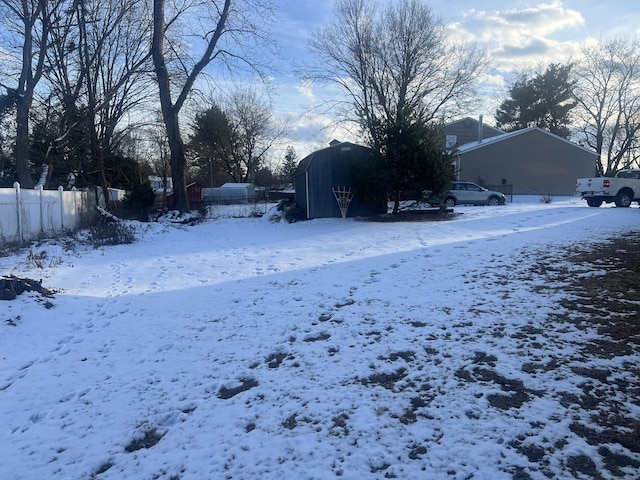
[[27, 214], [9, 220]]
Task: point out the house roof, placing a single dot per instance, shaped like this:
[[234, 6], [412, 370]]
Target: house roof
[[476, 121], [467, 147]]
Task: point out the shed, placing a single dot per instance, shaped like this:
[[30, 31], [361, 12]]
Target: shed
[[332, 167], [194, 196], [230, 193], [532, 160]]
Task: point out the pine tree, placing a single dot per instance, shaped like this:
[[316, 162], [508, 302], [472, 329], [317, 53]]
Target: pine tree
[[290, 165], [544, 101]]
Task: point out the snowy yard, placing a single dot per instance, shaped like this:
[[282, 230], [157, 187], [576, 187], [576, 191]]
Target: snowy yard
[[478, 347]]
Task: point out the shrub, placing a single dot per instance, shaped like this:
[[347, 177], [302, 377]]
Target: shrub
[[292, 212], [110, 230], [140, 200]]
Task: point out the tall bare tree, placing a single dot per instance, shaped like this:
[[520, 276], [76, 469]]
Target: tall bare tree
[[394, 64], [400, 74], [32, 22], [608, 96], [98, 71], [232, 32], [113, 51]]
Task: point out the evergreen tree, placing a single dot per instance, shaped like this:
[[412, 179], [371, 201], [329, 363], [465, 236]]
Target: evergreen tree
[[290, 165], [544, 101], [212, 145], [411, 163], [141, 199]]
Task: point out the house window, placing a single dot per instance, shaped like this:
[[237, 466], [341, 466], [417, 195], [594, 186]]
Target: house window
[[451, 141], [504, 181]]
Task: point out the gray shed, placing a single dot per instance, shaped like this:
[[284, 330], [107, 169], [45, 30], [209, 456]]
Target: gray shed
[[230, 193], [322, 171], [532, 160]]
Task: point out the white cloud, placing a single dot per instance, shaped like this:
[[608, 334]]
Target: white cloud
[[305, 88], [521, 35]]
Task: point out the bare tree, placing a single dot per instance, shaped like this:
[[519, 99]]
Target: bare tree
[[256, 131], [98, 71], [231, 32], [401, 74], [394, 64], [236, 138], [33, 21], [113, 50], [608, 96]]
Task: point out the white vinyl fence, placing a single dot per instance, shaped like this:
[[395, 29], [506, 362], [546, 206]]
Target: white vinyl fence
[[29, 214]]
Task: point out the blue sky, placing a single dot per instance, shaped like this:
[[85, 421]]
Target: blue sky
[[517, 34]]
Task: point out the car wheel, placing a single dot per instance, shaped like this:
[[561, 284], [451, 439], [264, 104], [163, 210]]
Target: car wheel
[[449, 202], [493, 201], [624, 199], [594, 202]]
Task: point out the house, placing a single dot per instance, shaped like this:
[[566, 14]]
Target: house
[[532, 160], [115, 195], [323, 171], [230, 193], [466, 130], [158, 184]]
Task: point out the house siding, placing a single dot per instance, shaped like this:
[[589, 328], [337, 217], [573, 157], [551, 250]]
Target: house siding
[[534, 162], [466, 130]]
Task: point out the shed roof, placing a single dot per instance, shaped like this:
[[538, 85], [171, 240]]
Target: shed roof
[[303, 166], [236, 185]]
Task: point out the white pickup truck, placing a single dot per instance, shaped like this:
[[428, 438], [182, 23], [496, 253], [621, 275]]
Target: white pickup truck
[[623, 189]]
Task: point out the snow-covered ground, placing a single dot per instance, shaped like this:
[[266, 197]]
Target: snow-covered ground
[[247, 349]]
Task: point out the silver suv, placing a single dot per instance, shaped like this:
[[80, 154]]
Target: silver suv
[[472, 194]]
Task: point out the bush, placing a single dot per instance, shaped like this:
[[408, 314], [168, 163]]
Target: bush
[[141, 199], [110, 230]]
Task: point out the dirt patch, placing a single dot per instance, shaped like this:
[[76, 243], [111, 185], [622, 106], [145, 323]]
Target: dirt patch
[[386, 380], [151, 438], [435, 214], [246, 384], [317, 338], [600, 295]]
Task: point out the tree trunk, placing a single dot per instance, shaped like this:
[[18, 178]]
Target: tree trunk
[[97, 150], [23, 104], [169, 112], [178, 162]]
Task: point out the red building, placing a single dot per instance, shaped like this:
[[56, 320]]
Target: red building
[[194, 195]]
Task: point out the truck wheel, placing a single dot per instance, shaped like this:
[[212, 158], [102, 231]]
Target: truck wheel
[[624, 199], [594, 202]]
